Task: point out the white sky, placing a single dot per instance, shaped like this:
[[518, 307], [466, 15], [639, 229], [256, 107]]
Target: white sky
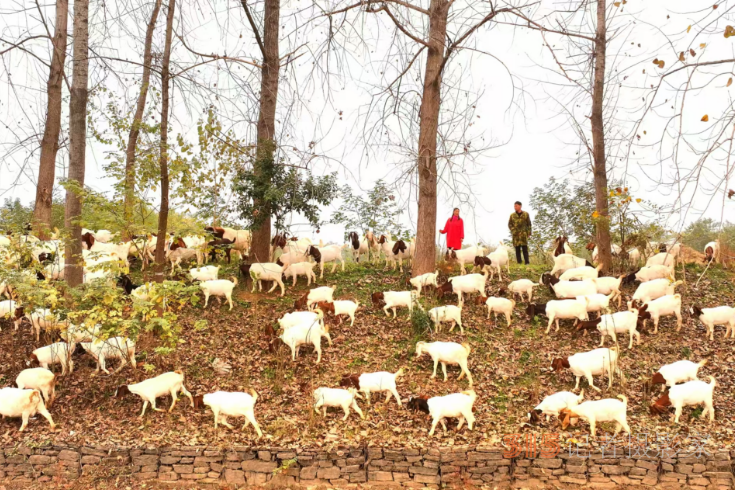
[[523, 111]]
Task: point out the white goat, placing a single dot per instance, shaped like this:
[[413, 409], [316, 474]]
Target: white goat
[[690, 393], [665, 258], [587, 364], [676, 372], [15, 402], [396, 299], [446, 353], [56, 353], [584, 272], [335, 397], [499, 305], [457, 405], [522, 286], [597, 302], [10, 309], [466, 255], [565, 262], [267, 271], [218, 287], [572, 289], [553, 404], [206, 273], [380, 382], [305, 269], [231, 404], [306, 333], [112, 348], [607, 410], [710, 317], [40, 379], [428, 279], [608, 285], [181, 254], [459, 285], [314, 296], [449, 313], [657, 288], [498, 259], [340, 307], [150, 389], [566, 310], [665, 306], [619, 322], [652, 272], [333, 254], [292, 319]]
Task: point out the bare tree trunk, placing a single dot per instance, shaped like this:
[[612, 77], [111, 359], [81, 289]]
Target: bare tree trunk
[[137, 120], [50, 142], [425, 259], [598, 142], [73, 269], [261, 238], [163, 212]]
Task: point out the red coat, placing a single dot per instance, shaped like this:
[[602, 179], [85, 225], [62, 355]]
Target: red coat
[[455, 232]]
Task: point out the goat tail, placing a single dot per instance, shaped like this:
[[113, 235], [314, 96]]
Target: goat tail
[[254, 394], [179, 371], [677, 283], [398, 373], [702, 363], [334, 287], [234, 279], [581, 396], [599, 267], [467, 348], [513, 302], [624, 398], [712, 381]]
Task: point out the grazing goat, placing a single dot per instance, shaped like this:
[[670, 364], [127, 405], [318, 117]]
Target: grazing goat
[[395, 299], [498, 259], [690, 393], [446, 353], [112, 348], [457, 405], [665, 306], [335, 397], [615, 323], [469, 283], [305, 269], [566, 310], [323, 293], [565, 262], [10, 308], [340, 307], [655, 289], [676, 372], [652, 272], [497, 305], [150, 389], [16, 402], [553, 404], [323, 255], [561, 246], [588, 364], [609, 285], [607, 410], [218, 287], [424, 280], [465, 256], [230, 404], [580, 273], [57, 353], [206, 273], [449, 313], [522, 286], [267, 271], [710, 317], [298, 317], [568, 289], [368, 383], [220, 244], [306, 333], [712, 252], [40, 379]]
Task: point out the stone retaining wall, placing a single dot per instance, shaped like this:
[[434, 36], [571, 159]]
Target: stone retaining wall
[[460, 465]]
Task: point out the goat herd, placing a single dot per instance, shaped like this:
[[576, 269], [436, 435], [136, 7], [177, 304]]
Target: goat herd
[[573, 280]]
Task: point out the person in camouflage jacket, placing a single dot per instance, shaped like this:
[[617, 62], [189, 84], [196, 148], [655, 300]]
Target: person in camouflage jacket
[[520, 228]]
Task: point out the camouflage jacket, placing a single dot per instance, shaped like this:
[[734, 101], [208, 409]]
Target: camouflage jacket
[[520, 228]]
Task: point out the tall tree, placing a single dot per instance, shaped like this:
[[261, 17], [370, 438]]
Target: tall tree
[[137, 120], [441, 43], [266, 145], [165, 81], [73, 273], [602, 224], [50, 142]]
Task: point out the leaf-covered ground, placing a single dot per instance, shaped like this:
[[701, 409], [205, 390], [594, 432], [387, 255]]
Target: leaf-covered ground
[[509, 366]]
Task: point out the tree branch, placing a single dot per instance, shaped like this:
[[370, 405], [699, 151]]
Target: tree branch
[[398, 24], [255, 28]]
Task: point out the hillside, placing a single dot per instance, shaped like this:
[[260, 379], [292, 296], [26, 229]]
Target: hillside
[[510, 367]]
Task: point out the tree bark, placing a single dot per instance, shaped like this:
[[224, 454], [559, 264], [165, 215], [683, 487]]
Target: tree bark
[[163, 212], [425, 258], [50, 142], [598, 142], [137, 120], [73, 273], [261, 236]]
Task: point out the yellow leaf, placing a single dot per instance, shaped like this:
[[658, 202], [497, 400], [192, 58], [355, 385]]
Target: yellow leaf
[[617, 4], [705, 118], [703, 45], [638, 200], [595, 214], [729, 81], [689, 29]]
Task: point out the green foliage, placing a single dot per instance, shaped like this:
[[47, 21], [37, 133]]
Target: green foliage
[[272, 189], [14, 216], [377, 211], [420, 322]]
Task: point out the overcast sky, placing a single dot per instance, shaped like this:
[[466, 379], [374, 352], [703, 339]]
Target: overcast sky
[[522, 102]]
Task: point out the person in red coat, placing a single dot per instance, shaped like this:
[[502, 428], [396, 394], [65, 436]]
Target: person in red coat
[[454, 230]]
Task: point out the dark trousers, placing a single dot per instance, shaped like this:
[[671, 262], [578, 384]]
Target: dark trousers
[[524, 249]]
